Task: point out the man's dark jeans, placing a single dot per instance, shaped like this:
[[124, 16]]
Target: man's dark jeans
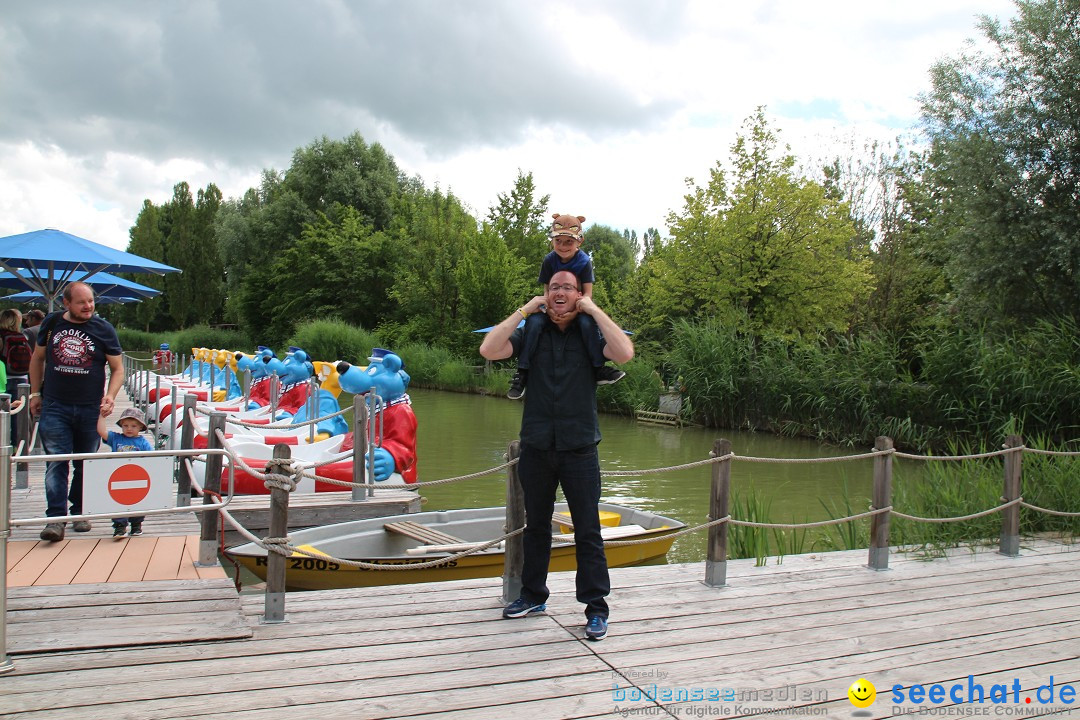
[[578, 471], [66, 429]]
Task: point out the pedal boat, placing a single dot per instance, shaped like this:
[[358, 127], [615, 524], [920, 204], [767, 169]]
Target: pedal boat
[[420, 537]]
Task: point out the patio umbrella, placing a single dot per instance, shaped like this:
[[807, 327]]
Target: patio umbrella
[[35, 298], [103, 283], [52, 257]]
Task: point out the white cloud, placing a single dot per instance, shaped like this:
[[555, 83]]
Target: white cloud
[[610, 103]]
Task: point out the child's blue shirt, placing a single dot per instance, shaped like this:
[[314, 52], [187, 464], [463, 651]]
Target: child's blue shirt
[[118, 443], [580, 264]]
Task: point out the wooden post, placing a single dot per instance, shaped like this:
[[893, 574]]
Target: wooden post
[[359, 435], [514, 557], [212, 485], [187, 441], [25, 424], [882, 497], [274, 604], [719, 502], [1010, 517]]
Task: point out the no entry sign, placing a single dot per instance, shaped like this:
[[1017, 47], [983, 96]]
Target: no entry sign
[[125, 485]]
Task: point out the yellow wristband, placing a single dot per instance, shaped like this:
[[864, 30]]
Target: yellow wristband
[[524, 314]]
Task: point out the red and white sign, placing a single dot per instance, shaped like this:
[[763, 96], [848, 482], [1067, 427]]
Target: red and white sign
[[125, 485]]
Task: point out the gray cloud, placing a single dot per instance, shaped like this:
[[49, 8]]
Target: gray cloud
[[248, 80]]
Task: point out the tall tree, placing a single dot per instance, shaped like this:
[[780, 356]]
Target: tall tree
[[426, 283], [179, 224], [770, 248], [205, 272], [146, 240], [613, 260], [493, 280], [1005, 130], [522, 221], [340, 269]]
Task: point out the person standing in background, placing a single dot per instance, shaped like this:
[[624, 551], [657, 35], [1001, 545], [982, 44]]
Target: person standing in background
[[67, 388]]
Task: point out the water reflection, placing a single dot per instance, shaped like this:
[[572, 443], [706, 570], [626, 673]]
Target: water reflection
[[460, 434]]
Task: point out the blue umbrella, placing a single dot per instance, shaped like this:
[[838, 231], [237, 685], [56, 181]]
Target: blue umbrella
[[51, 257], [103, 283], [489, 329], [34, 298]]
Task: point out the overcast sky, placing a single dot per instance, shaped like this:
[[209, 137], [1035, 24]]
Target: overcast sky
[[610, 104]]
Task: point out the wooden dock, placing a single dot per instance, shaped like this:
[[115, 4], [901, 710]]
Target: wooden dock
[[785, 639]]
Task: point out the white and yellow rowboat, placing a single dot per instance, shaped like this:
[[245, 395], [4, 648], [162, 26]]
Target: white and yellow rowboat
[[421, 537]]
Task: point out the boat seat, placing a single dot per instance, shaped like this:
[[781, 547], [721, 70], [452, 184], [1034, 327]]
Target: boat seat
[[562, 518], [423, 533], [608, 533]]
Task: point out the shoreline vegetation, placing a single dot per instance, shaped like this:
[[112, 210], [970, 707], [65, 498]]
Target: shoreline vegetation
[[968, 394]]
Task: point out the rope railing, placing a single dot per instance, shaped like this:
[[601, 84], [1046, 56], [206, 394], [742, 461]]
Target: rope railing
[[282, 474]]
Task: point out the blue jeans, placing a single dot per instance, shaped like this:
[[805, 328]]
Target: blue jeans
[[65, 429], [578, 471]]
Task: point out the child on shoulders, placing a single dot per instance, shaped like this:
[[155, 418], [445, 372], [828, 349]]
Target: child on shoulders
[[566, 255], [132, 423]]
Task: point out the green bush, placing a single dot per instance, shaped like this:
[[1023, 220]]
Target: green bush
[[333, 340], [455, 374], [138, 341], [204, 336]]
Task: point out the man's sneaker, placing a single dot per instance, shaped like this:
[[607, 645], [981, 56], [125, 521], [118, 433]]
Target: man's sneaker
[[522, 607], [52, 532], [119, 530], [608, 375], [517, 385], [136, 529], [596, 629], [81, 526]]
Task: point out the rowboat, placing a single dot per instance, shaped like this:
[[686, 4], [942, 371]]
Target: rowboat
[[402, 540]]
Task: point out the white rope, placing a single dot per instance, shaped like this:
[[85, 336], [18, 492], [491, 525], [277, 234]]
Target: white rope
[[976, 456], [1060, 513], [281, 474], [1060, 453], [959, 518]]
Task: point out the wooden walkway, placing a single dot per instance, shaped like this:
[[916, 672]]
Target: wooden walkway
[[77, 561], [788, 639]]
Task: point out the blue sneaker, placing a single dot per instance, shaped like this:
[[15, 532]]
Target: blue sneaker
[[522, 607], [596, 629]]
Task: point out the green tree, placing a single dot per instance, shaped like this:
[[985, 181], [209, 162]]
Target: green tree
[[492, 280], [613, 260], [772, 249], [204, 274], [338, 269], [1005, 163], [147, 240], [329, 175], [179, 230], [426, 283], [522, 222]]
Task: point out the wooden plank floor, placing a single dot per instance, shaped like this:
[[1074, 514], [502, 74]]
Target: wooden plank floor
[[124, 615], [808, 627], [80, 560]]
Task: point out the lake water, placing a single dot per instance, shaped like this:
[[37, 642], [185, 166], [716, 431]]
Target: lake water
[[460, 434]]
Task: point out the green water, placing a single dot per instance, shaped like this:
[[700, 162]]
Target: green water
[[460, 434]]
